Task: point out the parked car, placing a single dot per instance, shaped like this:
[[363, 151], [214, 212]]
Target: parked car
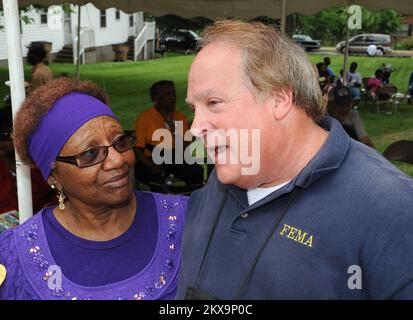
[[359, 43], [306, 42], [179, 41]]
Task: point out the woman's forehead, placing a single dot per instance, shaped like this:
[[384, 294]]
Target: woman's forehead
[[93, 131], [99, 124]]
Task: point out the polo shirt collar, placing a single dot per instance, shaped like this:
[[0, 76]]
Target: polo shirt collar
[[329, 157]]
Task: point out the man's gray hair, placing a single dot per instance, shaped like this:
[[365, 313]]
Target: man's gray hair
[[271, 61]]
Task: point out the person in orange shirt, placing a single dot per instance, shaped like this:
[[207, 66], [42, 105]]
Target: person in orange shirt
[[162, 115]]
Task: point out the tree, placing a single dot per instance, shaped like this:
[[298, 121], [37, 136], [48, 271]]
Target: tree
[[329, 25], [173, 22], [25, 10]]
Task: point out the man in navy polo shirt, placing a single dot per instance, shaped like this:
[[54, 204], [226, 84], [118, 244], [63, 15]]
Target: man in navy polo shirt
[[323, 217]]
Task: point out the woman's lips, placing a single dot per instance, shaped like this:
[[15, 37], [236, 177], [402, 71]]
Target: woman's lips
[[117, 181]]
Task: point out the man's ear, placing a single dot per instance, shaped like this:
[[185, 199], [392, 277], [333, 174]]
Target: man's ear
[[282, 102]]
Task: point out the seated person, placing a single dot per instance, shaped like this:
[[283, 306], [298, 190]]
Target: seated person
[[340, 107], [410, 85], [339, 81], [327, 62], [354, 82], [387, 70], [375, 82], [41, 193], [323, 77], [162, 115], [40, 73]]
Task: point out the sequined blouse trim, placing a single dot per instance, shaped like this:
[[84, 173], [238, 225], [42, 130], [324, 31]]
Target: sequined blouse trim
[[154, 281]]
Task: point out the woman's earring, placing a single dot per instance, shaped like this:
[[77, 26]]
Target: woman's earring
[[61, 197], [53, 186]]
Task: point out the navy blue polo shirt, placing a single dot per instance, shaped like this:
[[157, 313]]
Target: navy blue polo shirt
[[341, 229]]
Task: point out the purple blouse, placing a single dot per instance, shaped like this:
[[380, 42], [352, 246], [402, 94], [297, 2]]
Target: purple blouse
[[33, 271], [99, 263]]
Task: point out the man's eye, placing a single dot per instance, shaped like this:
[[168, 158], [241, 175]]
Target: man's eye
[[213, 102]]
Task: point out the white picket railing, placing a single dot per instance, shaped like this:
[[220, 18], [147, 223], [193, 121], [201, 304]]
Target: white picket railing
[[141, 41], [87, 40]]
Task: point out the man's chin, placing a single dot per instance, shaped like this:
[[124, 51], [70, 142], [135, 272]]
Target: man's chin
[[231, 174], [227, 174]]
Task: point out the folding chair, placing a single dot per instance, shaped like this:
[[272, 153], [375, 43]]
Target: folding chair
[[365, 90], [401, 150], [385, 96]]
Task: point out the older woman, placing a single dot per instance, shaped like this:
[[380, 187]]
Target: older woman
[[106, 241]]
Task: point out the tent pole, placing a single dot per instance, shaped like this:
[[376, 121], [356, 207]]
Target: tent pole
[[78, 44], [283, 15], [18, 94], [346, 47]]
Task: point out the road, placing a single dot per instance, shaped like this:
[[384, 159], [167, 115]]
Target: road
[[332, 51]]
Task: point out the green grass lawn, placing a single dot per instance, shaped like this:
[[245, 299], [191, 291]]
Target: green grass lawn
[[127, 84]]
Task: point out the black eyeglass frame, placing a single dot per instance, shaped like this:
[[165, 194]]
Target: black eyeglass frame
[[74, 159]]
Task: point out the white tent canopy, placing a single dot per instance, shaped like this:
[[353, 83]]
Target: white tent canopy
[[243, 9]]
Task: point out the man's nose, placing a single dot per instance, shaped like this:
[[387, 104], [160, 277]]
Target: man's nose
[[201, 123]]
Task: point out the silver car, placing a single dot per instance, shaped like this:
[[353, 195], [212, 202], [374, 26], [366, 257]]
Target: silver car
[[359, 43]]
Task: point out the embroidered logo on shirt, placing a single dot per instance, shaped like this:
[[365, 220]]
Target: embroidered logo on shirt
[[297, 235]]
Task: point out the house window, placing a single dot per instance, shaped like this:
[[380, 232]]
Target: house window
[[117, 14], [131, 21], [43, 17], [103, 18]]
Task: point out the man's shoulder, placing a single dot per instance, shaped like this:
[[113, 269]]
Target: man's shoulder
[[43, 69], [178, 115], [371, 172], [353, 116], [149, 112], [145, 115], [212, 190]]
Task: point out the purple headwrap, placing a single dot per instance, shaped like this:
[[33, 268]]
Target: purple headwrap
[[67, 115]]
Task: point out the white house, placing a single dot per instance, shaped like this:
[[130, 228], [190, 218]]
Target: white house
[[100, 29]]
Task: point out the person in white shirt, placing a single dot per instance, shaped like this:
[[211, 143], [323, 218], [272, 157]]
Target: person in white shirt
[[354, 82]]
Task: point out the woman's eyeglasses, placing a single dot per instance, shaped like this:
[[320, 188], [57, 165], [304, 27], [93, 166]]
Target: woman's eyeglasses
[[97, 155]]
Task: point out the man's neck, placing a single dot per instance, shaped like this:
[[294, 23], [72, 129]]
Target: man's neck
[[163, 111], [37, 65], [305, 140]]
